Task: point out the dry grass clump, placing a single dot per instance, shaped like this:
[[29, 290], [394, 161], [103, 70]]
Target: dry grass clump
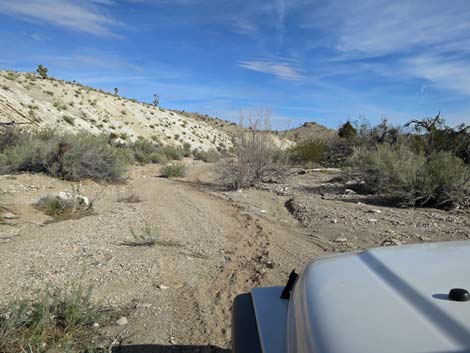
[[148, 236], [54, 320]]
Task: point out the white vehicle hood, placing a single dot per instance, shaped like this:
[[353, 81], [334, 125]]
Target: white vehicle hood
[[387, 300]]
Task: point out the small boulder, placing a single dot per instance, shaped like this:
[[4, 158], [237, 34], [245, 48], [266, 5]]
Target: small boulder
[[122, 321]]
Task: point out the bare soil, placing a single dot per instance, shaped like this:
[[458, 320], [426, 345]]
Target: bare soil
[[213, 245]]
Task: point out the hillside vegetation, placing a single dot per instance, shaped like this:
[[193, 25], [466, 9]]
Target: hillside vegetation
[[37, 103]]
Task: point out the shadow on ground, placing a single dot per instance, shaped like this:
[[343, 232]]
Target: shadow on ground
[[156, 348]]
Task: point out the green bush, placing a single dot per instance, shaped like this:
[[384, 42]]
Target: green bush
[[309, 151], [55, 320], [88, 156], [145, 151], [209, 156], [413, 179], [172, 152], [174, 170], [71, 157], [186, 149], [158, 158], [142, 149]]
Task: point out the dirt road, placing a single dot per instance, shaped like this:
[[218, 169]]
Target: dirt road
[[213, 245]]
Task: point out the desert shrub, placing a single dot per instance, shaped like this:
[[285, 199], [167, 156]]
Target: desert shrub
[[71, 157], [174, 170], [9, 136], [209, 156], [148, 236], [69, 120], [88, 156], [54, 320], [159, 158], [347, 130], [31, 155], [312, 150], [256, 159], [145, 151], [412, 179], [142, 149], [337, 152], [433, 135], [186, 149], [172, 152], [65, 205]]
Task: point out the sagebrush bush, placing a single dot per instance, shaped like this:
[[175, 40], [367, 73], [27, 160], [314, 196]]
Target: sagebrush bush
[[54, 320], [174, 170], [89, 156], [413, 179], [313, 150], [209, 156], [158, 158], [68, 156], [145, 151], [173, 153]]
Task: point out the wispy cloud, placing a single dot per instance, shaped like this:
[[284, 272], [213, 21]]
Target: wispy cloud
[[384, 27], [281, 70], [453, 74], [76, 15], [427, 40]]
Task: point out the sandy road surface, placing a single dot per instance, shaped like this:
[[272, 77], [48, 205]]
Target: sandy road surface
[[214, 245]]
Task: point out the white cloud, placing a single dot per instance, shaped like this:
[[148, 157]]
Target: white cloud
[[383, 27], [77, 15], [281, 70], [424, 39], [443, 72]]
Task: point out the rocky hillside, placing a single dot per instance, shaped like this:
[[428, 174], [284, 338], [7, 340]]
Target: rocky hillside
[[68, 106], [308, 131]]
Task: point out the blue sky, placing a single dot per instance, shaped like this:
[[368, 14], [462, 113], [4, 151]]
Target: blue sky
[[323, 61]]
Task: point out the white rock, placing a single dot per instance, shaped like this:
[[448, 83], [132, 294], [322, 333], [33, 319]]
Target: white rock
[[9, 215], [122, 321], [162, 286]]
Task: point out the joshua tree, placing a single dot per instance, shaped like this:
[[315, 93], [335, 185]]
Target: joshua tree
[[42, 71], [116, 91], [156, 99]]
